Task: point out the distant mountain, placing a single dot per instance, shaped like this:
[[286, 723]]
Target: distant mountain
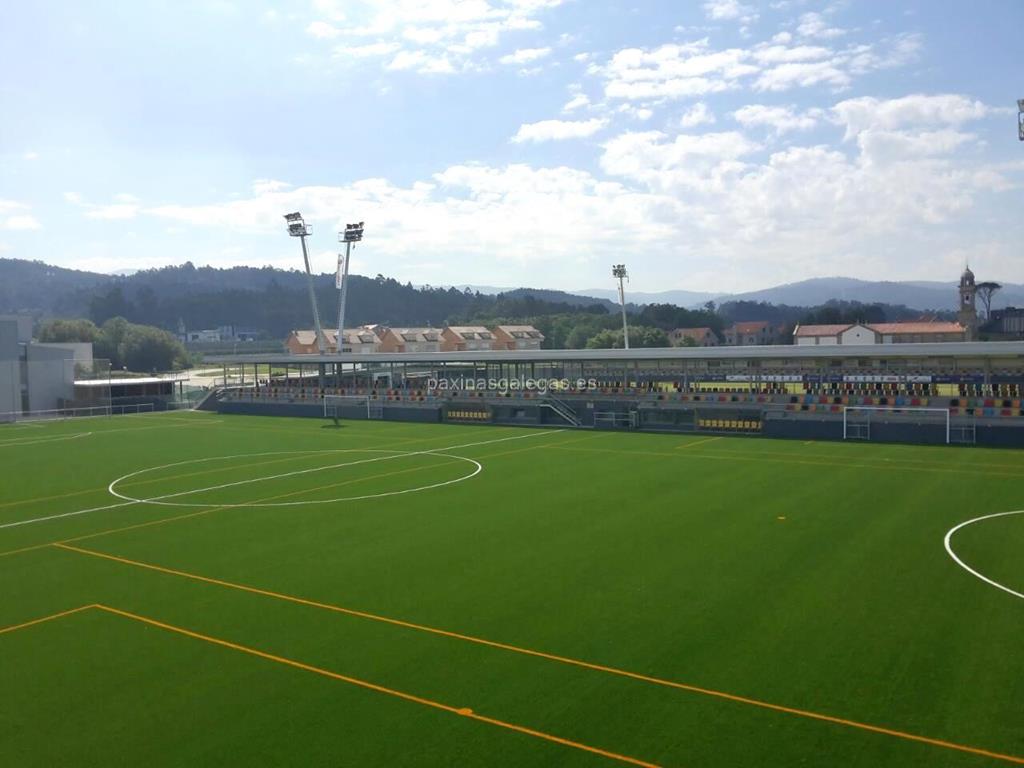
[[686, 299], [274, 300], [575, 299], [922, 295], [572, 299], [27, 287]]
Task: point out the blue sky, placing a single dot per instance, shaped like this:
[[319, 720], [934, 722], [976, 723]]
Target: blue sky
[[722, 145]]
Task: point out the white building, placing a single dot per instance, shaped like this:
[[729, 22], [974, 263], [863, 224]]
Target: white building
[[878, 333]]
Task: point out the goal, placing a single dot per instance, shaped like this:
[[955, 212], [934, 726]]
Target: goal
[[859, 419], [615, 420], [352, 406]]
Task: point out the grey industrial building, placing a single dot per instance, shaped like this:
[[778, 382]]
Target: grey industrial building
[[34, 376]]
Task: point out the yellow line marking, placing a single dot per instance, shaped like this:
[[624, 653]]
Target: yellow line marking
[[460, 711], [561, 659], [51, 617], [699, 442], [27, 549]]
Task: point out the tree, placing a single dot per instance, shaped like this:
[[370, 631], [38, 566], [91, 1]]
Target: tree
[[689, 341], [986, 291], [109, 341], [112, 303], [606, 339], [145, 348], [639, 336], [57, 331]]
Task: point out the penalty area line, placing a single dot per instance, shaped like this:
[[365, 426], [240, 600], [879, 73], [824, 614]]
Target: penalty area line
[[949, 550], [567, 660]]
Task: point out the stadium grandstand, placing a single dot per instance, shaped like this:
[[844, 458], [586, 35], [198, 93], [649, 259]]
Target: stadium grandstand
[[967, 392]]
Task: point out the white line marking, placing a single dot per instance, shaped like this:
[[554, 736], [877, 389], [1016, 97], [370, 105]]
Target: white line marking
[[135, 501], [66, 514], [394, 455], [965, 566], [18, 441]]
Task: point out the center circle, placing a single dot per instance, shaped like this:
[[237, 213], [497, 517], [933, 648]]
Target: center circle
[[167, 500]]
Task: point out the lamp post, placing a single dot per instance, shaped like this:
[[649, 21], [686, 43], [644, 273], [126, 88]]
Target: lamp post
[[353, 234], [619, 272], [298, 228]]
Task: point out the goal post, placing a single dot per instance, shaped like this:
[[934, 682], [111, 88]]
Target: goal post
[[857, 419], [335, 406]]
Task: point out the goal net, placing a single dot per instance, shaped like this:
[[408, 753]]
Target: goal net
[[352, 406], [859, 420]]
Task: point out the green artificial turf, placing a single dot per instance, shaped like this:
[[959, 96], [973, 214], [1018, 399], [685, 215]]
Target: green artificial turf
[[810, 576]]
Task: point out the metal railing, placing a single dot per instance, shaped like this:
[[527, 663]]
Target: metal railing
[[57, 414]]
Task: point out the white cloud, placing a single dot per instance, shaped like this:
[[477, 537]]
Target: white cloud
[[365, 51], [30, 155], [22, 221], [557, 130], [263, 186], [666, 163], [513, 214], [125, 206], [525, 55], [576, 102], [717, 205], [429, 36], [637, 113], [322, 30], [11, 206], [698, 114], [867, 112], [779, 119], [803, 74], [16, 216], [813, 24], [330, 9], [676, 71], [729, 10], [116, 211], [421, 62]]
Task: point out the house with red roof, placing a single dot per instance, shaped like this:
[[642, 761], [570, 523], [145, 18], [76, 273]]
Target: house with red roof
[[701, 337], [753, 333]]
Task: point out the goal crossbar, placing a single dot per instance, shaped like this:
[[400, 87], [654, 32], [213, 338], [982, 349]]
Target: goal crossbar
[[852, 425], [333, 402]]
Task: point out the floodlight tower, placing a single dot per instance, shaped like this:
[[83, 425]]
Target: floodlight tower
[[619, 271], [1020, 119], [298, 228], [353, 234]]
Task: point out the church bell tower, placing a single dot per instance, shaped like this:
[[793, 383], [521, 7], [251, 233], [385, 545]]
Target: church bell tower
[[968, 313]]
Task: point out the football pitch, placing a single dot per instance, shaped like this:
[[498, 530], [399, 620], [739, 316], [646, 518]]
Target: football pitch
[[200, 589]]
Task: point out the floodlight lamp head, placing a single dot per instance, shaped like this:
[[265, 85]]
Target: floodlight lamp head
[[353, 233], [296, 226], [619, 270], [1020, 105]]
